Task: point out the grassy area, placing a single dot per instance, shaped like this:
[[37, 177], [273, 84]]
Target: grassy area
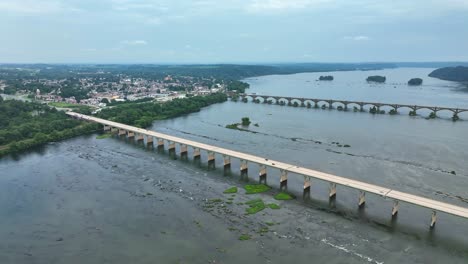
[[284, 196], [255, 206], [231, 190], [103, 136], [245, 237], [274, 206], [256, 188]]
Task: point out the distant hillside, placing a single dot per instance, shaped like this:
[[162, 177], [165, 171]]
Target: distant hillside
[[456, 74]]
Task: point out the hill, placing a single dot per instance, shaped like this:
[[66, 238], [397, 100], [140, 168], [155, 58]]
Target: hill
[[456, 74]]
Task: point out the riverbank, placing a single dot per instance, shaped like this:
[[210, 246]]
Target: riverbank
[[25, 125]]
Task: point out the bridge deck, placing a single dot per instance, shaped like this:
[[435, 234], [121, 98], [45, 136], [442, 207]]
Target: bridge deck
[[358, 185], [439, 108]]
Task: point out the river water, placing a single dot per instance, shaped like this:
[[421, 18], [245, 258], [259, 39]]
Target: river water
[[86, 200]]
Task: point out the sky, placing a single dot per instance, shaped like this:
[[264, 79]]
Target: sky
[[232, 31]]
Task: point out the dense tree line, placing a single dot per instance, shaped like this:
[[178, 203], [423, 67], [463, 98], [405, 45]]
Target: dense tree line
[[27, 124], [143, 114]]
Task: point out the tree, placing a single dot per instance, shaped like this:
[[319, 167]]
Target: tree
[[245, 121], [105, 101]]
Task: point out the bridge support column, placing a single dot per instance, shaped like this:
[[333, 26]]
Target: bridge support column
[[227, 162], [122, 132], [362, 198], [139, 138], [183, 151], [332, 191], [396, 206], [244, 167], [307, 184], [361, 107], [160, 143], [114, 130], [149, 141], [196, 153], [284, 180], [107, 128], [130, 135], [262, 174], [345, 107], [171, 147], [433, 219], [316, 104], [211, 159]]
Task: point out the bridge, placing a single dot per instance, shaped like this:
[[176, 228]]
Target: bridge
[[344, 104], [162, 140]]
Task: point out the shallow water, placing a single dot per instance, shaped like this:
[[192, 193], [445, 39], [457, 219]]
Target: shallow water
[[110, 201]]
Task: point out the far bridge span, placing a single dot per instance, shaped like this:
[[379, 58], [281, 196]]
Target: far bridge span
[[334, 181], [345, 104]]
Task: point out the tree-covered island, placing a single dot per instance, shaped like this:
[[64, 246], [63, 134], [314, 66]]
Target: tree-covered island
[[376, 79]]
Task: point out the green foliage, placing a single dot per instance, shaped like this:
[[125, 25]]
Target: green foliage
[[432, 115], [456, 74], [244, 237], [256, 188], [376, 79], [231, 190], [24, 125], [326, 78], [103, 136], [274, 206], [143, 114], [415, 81], [245, 121], [237, 86], [255, 206], [284, 196]]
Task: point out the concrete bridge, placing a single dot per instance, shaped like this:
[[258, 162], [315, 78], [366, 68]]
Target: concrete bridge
[[345, 105], [163, 140]]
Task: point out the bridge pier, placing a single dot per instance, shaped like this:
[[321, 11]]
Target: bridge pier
[[160, 143], [262, 175], [396, 206], [316, 104], [227, 162], [307, 185], [171, 147], [183, 151], [284, 180], [433, 219], [140, 138], [244, 168], [211, 159], [114, 130], [362, 198], [130, 135], [332, 191], [107, 128], [122, 132], [196, 153], [361, 107], [149, 141], [345, 107]]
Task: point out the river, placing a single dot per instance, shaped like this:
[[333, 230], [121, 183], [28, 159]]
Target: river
[[86, 200]]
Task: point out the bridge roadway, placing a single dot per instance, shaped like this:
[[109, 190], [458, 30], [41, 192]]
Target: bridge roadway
[[308, 174]]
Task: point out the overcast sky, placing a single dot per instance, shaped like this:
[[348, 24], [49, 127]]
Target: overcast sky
[[232, 31]]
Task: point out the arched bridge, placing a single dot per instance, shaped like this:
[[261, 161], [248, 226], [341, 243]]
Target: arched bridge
[[345, 104]]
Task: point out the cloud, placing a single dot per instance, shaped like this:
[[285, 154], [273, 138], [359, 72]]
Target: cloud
[[357, 38], [282, 5], [35, 7], [134, 42]]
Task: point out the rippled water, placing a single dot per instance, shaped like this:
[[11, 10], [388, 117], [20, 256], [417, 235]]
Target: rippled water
[[111, 201]]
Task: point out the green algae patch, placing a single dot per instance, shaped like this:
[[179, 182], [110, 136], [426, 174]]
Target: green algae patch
[[103, 136], [274, 206], [255, 206], [284, 196], [231, 190], [256, 188], [216, 200], [270, 223], [244, 237]]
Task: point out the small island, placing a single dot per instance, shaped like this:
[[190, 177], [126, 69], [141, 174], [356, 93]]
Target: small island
[[326, 78], [376, 79], [415, 81], [455, 74]]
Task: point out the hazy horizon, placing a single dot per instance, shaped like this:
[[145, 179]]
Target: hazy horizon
[[232, 31]]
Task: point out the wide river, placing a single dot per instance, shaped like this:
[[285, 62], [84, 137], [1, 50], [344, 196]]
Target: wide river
[[87, 200]]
